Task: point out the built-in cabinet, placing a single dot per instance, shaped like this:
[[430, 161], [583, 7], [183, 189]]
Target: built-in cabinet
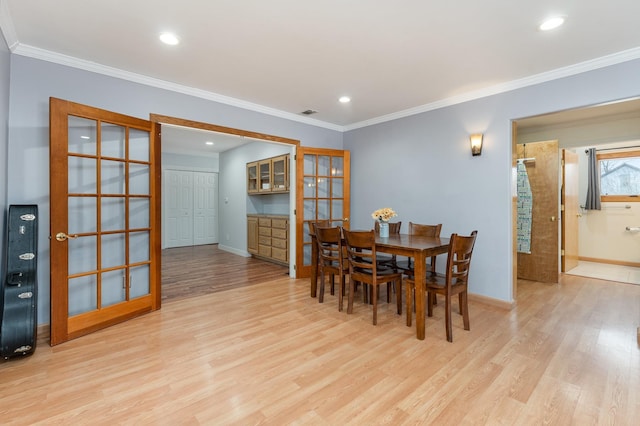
[[268, 237], [268, 175]]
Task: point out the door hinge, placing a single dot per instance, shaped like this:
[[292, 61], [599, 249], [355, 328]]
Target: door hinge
[[562, 163], [561, 252], [561, 207]]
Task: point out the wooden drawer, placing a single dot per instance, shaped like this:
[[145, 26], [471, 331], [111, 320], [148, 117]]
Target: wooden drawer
[[264, 221], [264, 250], [276, 242], [265, 241], [264, 231], [279, 223], [279, 233], [279, 254]]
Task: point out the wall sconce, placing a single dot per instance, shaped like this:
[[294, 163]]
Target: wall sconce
[[476, 144]]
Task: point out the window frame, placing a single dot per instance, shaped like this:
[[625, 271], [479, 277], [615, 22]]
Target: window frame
[[617, 156]]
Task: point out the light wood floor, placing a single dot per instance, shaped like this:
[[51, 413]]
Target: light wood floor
[[270, 354], [198, 270]]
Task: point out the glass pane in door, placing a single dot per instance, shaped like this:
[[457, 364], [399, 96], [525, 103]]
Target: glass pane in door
[[83, 294], [113, 140], [113, 287], [139, 281], [82, 135]]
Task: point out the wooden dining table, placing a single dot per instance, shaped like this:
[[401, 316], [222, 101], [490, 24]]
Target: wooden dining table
[[418, 247]]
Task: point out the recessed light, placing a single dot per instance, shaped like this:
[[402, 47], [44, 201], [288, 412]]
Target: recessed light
[[344, 99], [209, 143], [170, 39], [551, 23]]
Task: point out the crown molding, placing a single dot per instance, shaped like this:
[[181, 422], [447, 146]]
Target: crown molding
[[594, 64], [6, 26], [70, 61], [45, 55]]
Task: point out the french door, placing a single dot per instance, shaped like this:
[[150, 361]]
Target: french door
[[105, 238], [322, 193]]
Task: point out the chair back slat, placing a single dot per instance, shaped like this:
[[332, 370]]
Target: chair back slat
[[425, 230], [361, 251], [330, 247], [459, 258]]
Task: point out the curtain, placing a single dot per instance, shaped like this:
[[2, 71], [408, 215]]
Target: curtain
[[593, 188]]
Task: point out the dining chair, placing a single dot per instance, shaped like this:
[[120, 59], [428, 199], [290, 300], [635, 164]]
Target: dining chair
[[332, 260], [388, 259], [364, 268], [453, 282], [408, 266]]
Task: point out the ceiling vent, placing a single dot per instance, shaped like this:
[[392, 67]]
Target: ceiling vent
[[309, 112]]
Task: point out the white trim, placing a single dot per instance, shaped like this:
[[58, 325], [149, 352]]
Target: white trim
[[6, 26], [189, 169], [234, 250], [70, 61], [593, 64], [45, 55]]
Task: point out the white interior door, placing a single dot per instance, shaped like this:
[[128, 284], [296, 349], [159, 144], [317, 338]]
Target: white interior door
[[178, 200], [190, 207], [205, 208]]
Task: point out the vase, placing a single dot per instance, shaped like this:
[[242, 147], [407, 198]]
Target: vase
[[384, 229]]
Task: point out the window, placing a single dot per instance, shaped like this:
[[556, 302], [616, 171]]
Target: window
[[620, 176]]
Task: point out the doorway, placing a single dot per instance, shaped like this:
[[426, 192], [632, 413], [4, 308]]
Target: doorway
[[604, 124]]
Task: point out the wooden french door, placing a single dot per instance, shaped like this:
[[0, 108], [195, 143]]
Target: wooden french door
[[570, 210], [322, 193], [104, 216]]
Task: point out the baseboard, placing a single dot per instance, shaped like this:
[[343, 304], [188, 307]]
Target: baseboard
[[43, 331], [234, 251], [497, 303], [609, 261]]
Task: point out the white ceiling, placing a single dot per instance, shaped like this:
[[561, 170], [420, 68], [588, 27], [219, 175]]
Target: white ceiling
[[286, 56], [181, 140]]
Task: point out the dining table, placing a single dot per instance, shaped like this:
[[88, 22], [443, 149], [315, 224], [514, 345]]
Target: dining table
[[416, 246]]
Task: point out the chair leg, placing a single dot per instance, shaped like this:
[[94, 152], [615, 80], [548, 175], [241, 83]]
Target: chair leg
[[429, 304], [389, 292], [321, 292], [375, 303], [464, 307], [333, 284], [399, 295], [350, 297], [340, 294], [447, 318], [409, 302]]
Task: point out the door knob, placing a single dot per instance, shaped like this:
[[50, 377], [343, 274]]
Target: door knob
[[553, 218], [346, 219], [61, 236]]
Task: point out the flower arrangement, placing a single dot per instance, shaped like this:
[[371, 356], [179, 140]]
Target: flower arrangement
[[384, 214]]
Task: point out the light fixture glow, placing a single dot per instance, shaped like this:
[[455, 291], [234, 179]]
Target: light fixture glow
[[209, 143], [344, 99], [476, 144], [85, 137], [170, 39], [552, 23]]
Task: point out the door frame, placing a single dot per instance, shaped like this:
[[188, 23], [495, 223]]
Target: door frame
[[159, 119]]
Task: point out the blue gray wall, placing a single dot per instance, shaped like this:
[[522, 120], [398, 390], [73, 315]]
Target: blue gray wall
[[5, 61], [34, 81], [422, 167]]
